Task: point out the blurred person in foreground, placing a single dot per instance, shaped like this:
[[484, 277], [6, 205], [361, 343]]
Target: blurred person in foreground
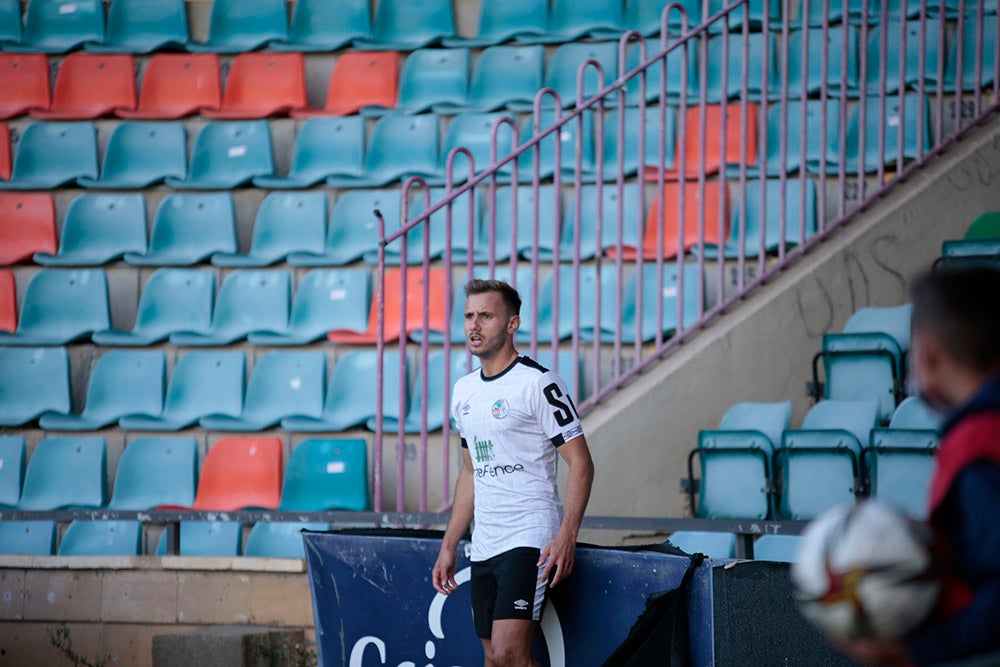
[[955, 363]]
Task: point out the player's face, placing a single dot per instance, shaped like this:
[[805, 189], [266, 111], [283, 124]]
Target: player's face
[[489, 327]]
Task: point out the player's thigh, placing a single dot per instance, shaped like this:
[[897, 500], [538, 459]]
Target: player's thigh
[[510, 645]]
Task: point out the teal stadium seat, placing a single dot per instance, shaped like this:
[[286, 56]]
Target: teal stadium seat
[[969, 39], [561, 72], [236, 26], [747, 214], [283, 384], [646, 16], [202, 383], [438, 242], [916, 137], [560, 320], [929, 35], [51, 154], [33, 382], [713, 545], [473, 131], [29, 538], [58, 26], [756, 12], [823, 135], [777, 548], [141, 154], [352, 230], [227, 154], [324, 148], [506, 75], [567, 137], [143, 26], [515, 223], [320, 25], [622, 148], [676, 78], [841, 11], [10, 22], [435, 79], [12, 463], [571, 20], [351, 394], [653, 297], [122, 382], [503, 21], [99, 228], [60, 306], [970, 253], [286, 222], [325, 299], [206, 538], [607, 217], [399, 146], [901, 458], [189, 228], [66, 471], [154, 471], [839, 73], [274, 539], [173, 300], [102, 538], [404, 25], [249, 300], [438, 400], [819, 464], [952, 8], [736, 476], [719, 90], [325, 475]]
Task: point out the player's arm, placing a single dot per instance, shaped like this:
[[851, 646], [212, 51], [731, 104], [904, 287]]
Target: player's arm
[[463, 505], [561, 552]]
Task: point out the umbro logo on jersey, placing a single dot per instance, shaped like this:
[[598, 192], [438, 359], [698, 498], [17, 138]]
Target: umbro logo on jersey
[[500, 408], [521, 605], [465, 409]]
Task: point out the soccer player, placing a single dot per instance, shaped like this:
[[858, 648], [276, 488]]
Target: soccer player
[[515, 418], [955, 356]]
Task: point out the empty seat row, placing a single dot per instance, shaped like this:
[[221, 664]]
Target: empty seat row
[[755, 466], [774, 548], [163, 472]]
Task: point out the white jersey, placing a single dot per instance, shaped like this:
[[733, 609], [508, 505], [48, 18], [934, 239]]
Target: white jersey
[[512, 424]]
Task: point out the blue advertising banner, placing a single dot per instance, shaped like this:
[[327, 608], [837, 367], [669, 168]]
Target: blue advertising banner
[[374, 604]]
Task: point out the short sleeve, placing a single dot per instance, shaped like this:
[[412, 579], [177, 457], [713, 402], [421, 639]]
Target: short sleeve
[[557, 415], [455, 412]]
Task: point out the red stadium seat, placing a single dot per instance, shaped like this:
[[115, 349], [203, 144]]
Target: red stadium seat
[[415, 307], [713, 150], [262, 85], [239, 473], [27, 226], [175, 85], [4, 152], [360, 79], [24, 80], [695, 209], [8, 301], [91, 85]]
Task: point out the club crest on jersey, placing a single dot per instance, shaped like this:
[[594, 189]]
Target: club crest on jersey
[[500, 409]]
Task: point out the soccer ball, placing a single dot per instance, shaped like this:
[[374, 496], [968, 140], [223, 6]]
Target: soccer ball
[[865, 571]]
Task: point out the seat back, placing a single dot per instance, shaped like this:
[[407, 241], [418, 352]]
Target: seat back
[[252, 300], [10, 21], [434, 78], [361, 80], [967, 65], [855, 418], [572, 19], [142, 154], [777, 548], [327, 474], [31, 538], [417, 307], [240, 473], [328, 299], [713, 545], [893, 321], [789, 125], [91, 85], [51, 154], [903, 478], [762, 53], [100, 228], [462, 213], [8, 301], [12, 463], [799, 216], [438, 392], [102, 538], [921, 48], [188, 228], [567, 138], [176, 85], [244, 25], [702, 145], [885, 124], [286, 222], [285, 384], [661, 291], [229, 153], [625, 147], [561, 73], [506, 74], [401, 146], [600, 211], [273, 539], [352, 391], [473, 130], [318, 25], [500, 21], [352, 229], [913, 413], [202, 383], [154, 471], [24, 78], [770, 419], [27, 225], [141, 26], [33, 381], [517, 217], [66, 471], [261, 85], [63, 305], [327, 147], [409, 24], [206, 538], [57, 26], [712, 207]]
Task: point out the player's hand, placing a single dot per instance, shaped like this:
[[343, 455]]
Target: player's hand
[[443, 574], [559, 554], [881, 653]]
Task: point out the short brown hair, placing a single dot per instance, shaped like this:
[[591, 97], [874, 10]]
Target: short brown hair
[[509, 295], [959, 305]]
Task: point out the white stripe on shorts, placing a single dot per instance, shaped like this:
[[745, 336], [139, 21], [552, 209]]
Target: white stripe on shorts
[[540, 584]]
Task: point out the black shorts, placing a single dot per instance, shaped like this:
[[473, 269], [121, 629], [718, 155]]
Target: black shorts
[[507, 586]]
